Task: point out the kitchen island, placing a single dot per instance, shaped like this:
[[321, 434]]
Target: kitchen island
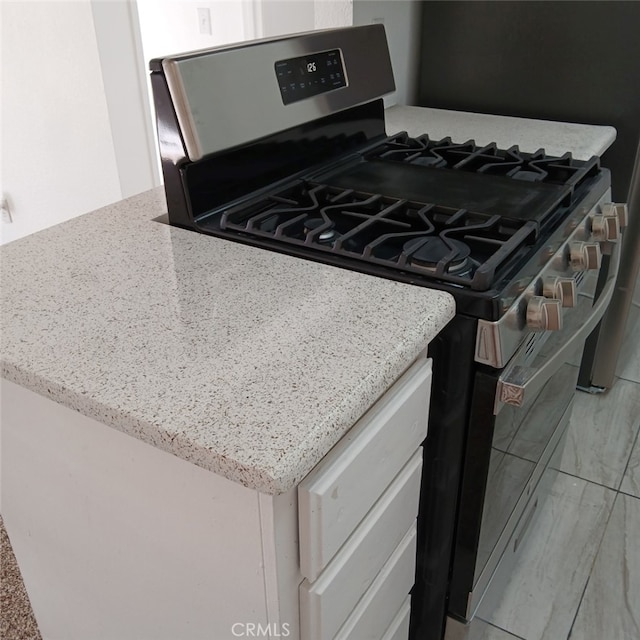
[[247, 363], [164, 393]]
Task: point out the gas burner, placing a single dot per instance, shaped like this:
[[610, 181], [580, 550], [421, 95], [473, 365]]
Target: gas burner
[[326, 235], [411, 150], [527, 176], [428, 252]]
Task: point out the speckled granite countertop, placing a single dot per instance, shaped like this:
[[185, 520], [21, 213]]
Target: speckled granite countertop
[[245, 362], [555, 138]]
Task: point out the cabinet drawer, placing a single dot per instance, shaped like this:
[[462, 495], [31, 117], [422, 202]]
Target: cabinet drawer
[[339, 492], [326, 603], [380, 604], [399, 627]]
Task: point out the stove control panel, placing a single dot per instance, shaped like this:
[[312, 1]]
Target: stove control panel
[[307, 76], [539, 306]]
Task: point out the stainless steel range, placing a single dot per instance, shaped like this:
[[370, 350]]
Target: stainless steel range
[[282, 144]]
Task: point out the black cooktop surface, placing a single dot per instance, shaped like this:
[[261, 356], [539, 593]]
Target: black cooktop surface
[[489, 180], [487, 194]]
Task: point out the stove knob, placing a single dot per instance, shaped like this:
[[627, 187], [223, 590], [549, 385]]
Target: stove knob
[[617, 210], [569, 292], [584, 256], [623, 214], [544, 314], [563, 289], [605, 228]]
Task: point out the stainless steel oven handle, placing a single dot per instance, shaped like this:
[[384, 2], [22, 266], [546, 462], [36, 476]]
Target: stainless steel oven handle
[[518, 382]]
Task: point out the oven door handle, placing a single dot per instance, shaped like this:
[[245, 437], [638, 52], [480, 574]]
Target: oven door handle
[[519, 382]]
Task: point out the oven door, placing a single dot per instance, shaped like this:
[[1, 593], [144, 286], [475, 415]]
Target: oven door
[[519, 417]]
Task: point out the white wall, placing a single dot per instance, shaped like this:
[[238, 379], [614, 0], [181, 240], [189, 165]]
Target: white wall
[[68, 147], [125, 86], [172, 26], [333, 13], [401, 19], [58, 159], [77, 130], [280, 17]]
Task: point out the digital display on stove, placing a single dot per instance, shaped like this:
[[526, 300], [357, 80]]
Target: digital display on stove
[[307, 76]]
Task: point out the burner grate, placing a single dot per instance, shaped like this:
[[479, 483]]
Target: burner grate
[[431, 241], [510, 163]]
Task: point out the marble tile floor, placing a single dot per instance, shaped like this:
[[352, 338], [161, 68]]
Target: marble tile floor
[[579, 575]]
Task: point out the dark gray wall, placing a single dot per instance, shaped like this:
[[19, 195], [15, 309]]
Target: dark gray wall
[[568, 61]]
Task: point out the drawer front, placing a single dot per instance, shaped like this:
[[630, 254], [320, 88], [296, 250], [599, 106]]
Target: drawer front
[[399, 628], [380, 604], [334, 498], [326, 603]]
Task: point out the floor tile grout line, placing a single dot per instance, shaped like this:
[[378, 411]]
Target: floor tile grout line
[[495, 626], [629, 495], [628, 380], [593, 482], [595, 557], [573, 475], [584, 590]]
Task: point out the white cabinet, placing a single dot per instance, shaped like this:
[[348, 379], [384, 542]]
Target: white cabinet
[[337, 494], [399, 627], [385, 597], [357, 512], [326, 602], [150, 547]]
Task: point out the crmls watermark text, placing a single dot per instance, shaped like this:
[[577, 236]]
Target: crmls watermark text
[[253, 630]]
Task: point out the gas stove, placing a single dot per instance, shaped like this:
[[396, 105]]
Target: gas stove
[[281, 144], [295, 158]]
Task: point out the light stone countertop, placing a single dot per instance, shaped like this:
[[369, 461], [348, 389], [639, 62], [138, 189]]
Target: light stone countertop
[[246, 362], [556, 138], [242, 361]]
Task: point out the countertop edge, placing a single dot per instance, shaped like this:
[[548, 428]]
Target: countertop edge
[[261, 478]]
